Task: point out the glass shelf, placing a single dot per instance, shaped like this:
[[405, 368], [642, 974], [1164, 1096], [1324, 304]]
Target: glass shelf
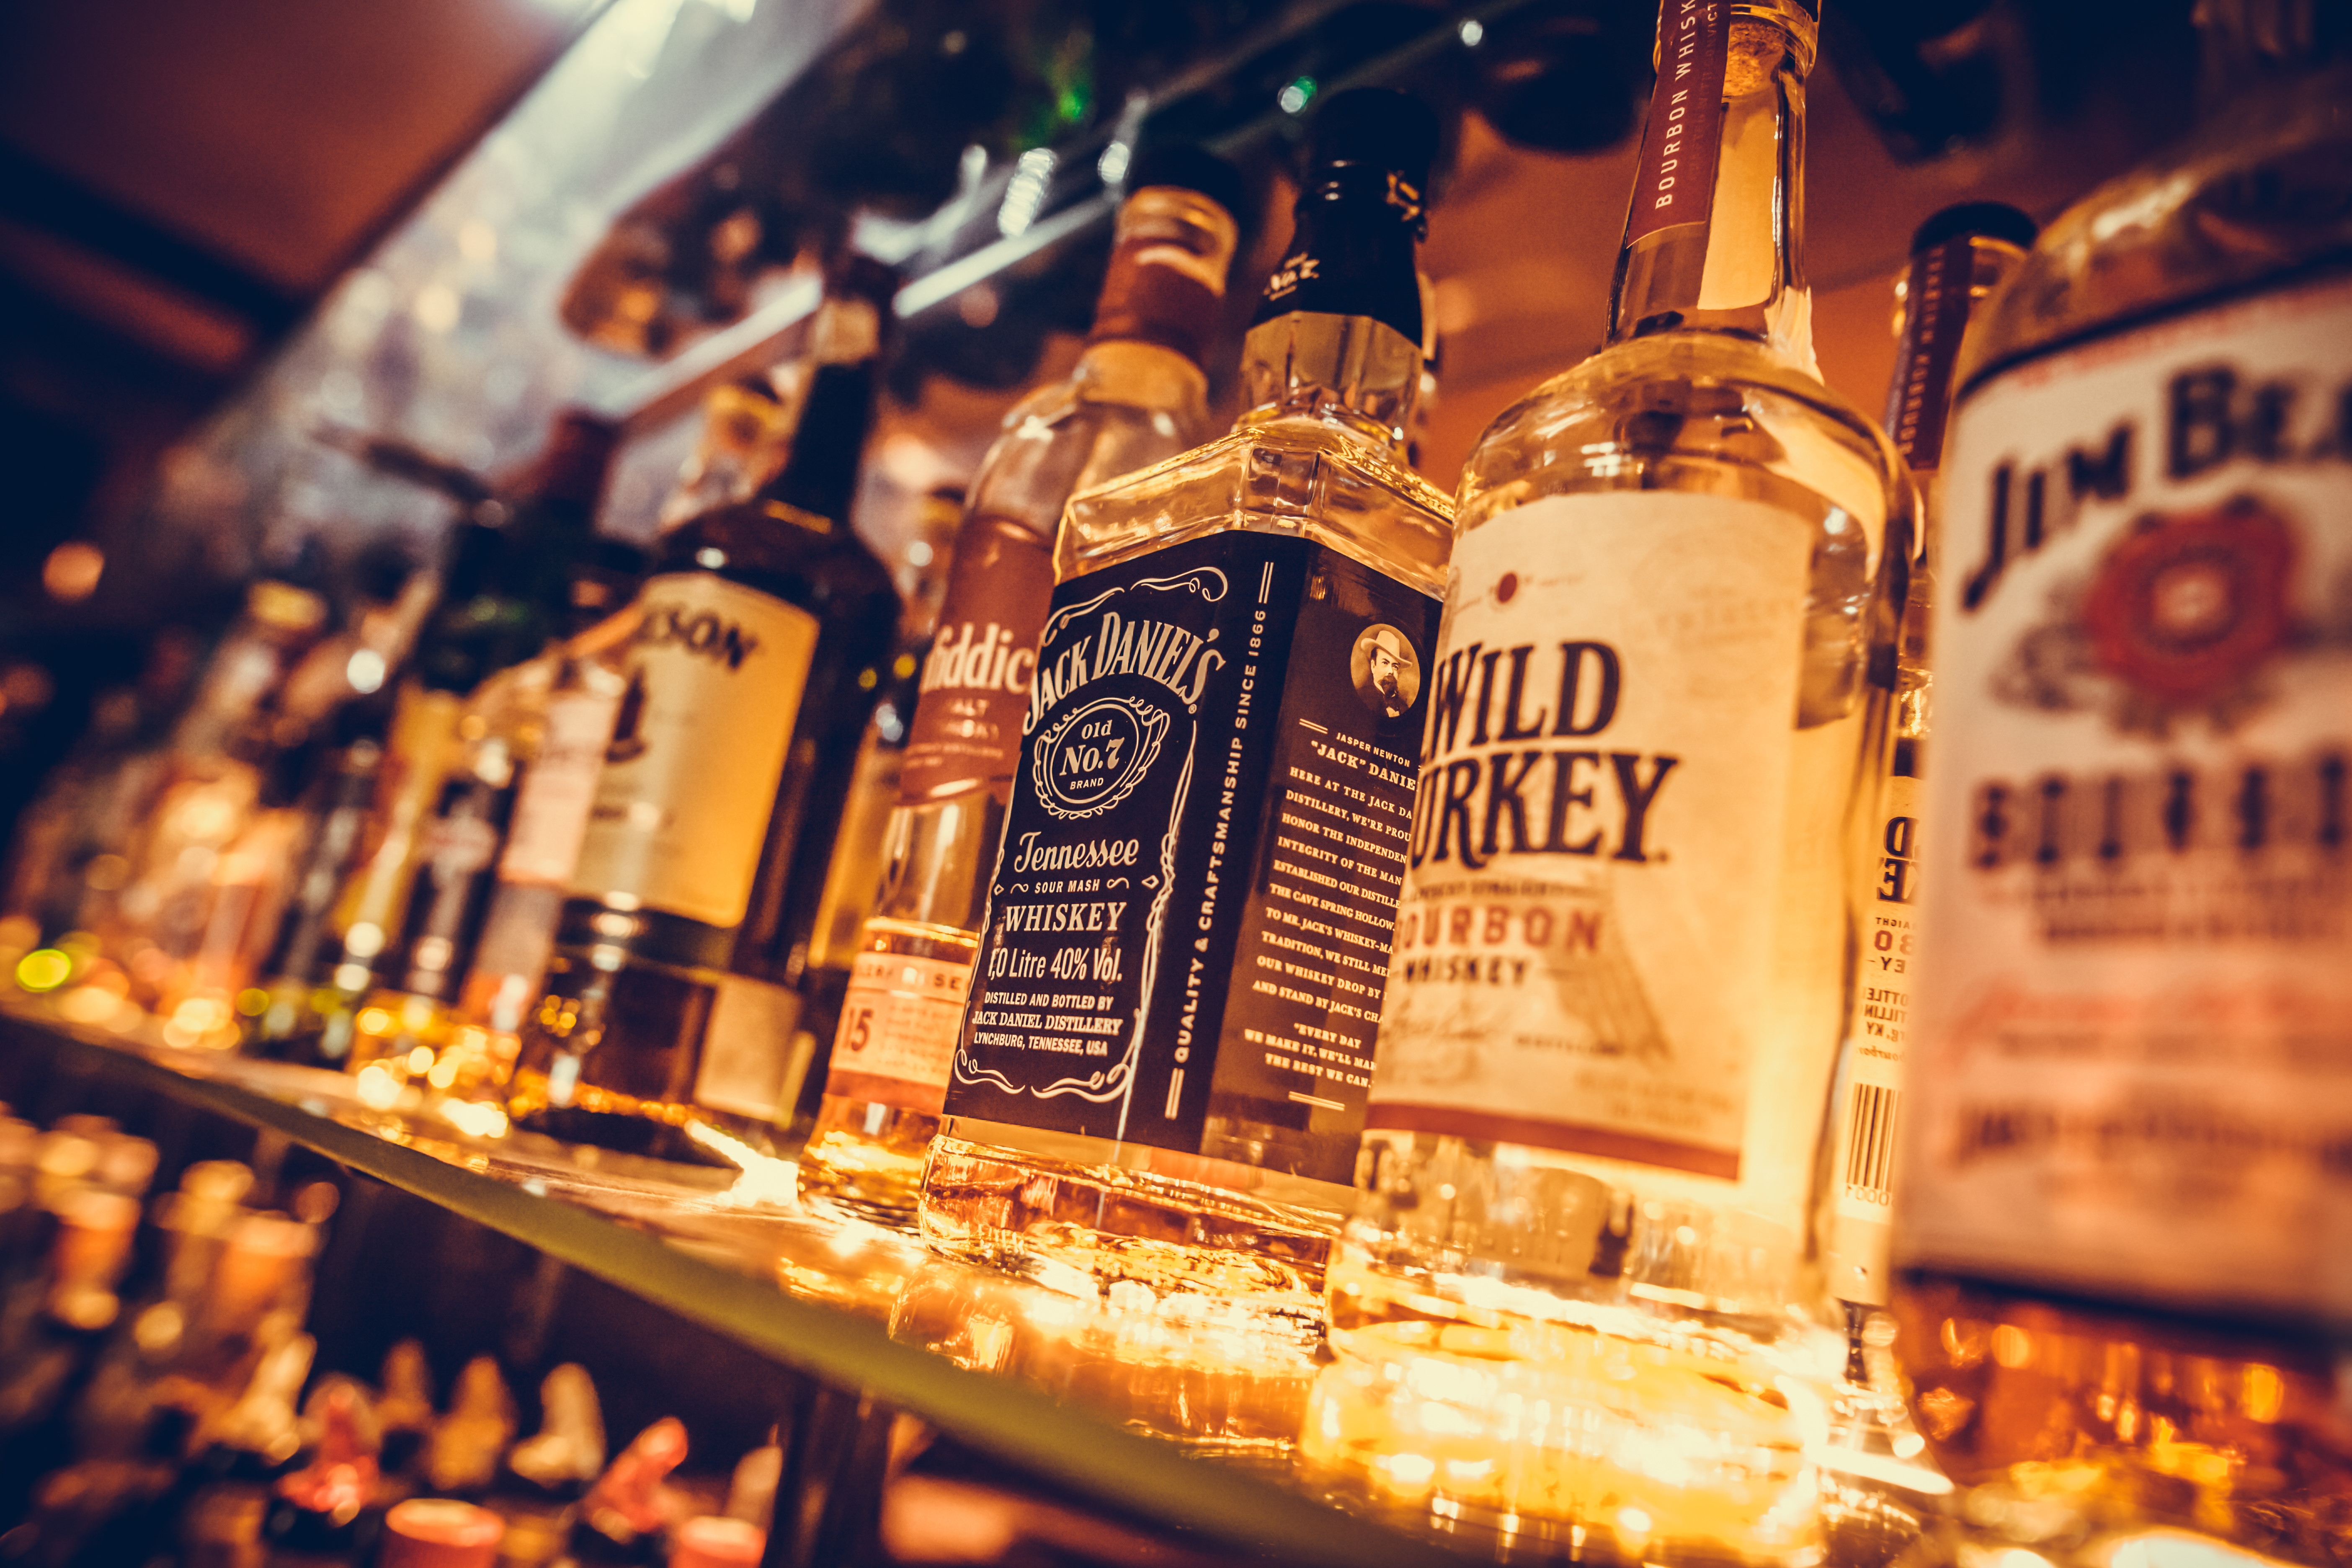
[[1178, 1419]]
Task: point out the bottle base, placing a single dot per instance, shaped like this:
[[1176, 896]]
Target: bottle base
[[865, 1161], [1548, 1425], [1105, 1230], [652, 1130]]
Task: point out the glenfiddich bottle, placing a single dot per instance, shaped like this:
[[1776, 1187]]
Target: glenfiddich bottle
[[1161, 1071], [761, 639], [1579, 1296], [2125, 1243], [1137, 396], [1958, 258]]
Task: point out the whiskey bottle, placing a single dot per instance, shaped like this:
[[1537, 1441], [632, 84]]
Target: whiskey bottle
[[1137, 396], [1874, 1478], [531, 733], [761, 639], [503, 596], [1161, 1075], [2121, 1292], [562, 716], [1622, 958], [1958, 257]]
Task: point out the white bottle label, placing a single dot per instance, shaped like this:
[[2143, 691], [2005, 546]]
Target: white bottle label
[[716, 675], [2133, 1074], [898, 1025], [1584, 956], [559, 787], [1868, 1101]]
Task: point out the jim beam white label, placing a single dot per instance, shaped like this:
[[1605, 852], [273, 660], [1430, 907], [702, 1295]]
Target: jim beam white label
[[1584, 947], [715, 671], [2133, 1071]]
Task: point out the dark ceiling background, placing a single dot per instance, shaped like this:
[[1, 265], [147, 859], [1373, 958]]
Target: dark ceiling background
[[178, 185]]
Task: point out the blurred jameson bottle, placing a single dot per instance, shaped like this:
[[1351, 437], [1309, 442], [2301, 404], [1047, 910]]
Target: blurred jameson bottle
[[1958, 257], [1137, 396], [762, 635], [1579, 1304], [503, 591], [2123, 1250], [1160, 1075]]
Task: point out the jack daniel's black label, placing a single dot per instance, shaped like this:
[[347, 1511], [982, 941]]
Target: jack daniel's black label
[[1192, 910]]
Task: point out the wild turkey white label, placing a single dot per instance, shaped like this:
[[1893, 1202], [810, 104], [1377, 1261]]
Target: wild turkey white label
[[1584, 946]]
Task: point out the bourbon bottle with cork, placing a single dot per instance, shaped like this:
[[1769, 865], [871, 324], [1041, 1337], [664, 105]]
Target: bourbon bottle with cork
[[1579, 1303], [1160, 1077], [1958, 257], [1138, 396], [761, 636], [2124, 1249]]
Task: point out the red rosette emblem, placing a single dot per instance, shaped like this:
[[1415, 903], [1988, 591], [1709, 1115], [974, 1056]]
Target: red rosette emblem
[[2185, 607]]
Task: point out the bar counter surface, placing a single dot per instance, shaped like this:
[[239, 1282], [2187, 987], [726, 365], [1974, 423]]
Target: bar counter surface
[[1179, 1419]]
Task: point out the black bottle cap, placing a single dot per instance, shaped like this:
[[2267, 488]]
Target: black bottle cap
[[1390, 131], [1360, 207], [1994, 220], [1193, 168]]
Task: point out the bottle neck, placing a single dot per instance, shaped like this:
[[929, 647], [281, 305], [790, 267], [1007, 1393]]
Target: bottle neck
[[820, 476], [1356, 372], [1713, 240], [1166, 282], [1934, 304]]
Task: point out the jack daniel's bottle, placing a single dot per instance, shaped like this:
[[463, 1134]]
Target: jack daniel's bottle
[[1137, 396], [2125, 1243], [1161, 1073], [1580, 1296], [763, 630]]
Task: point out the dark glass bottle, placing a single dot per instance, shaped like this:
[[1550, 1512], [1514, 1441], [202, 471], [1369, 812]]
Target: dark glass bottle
[[765, 631]]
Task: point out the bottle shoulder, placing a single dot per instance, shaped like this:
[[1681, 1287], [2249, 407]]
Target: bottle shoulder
[[1072, 435], [766, 550], [1299, 475], [1691, 411], [2260, 193]]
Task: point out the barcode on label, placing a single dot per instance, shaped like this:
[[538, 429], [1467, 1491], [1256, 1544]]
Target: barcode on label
[[1870, 1143]]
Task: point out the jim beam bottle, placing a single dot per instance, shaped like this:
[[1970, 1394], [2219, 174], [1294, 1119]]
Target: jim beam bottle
[[1958, 258], [2122, 1291], [1621, 965], [1161, 1073], [763, 635], [1137, 396]]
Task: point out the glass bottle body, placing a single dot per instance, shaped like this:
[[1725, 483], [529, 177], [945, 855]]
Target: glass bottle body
[[1596, 1143], [1678, 1305], [1129, 406], [2154, 1383], [668, 999], [1248, 1211]]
